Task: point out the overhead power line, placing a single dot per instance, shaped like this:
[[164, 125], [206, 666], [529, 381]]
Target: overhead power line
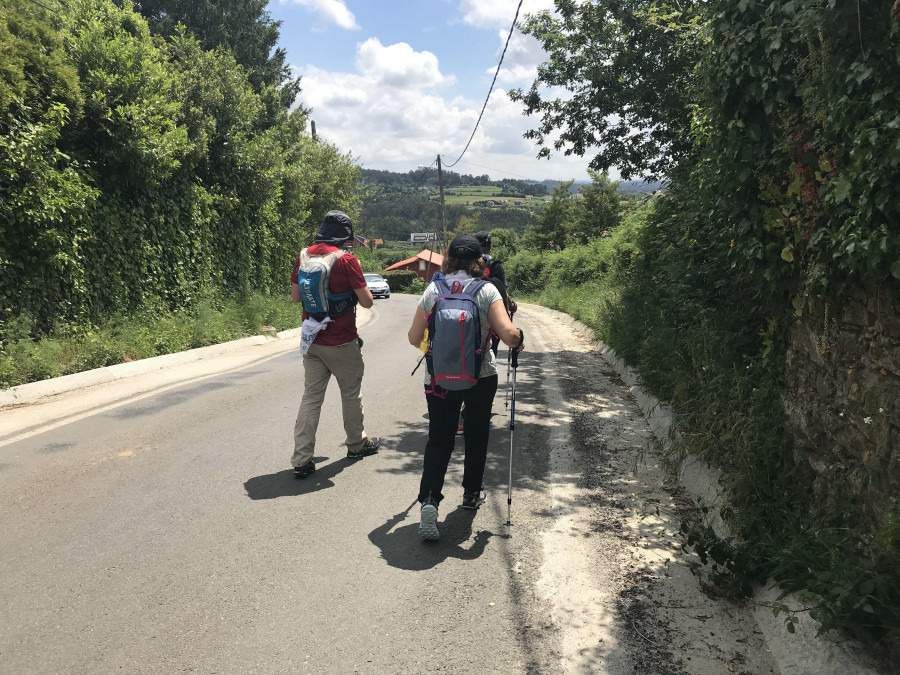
[[508, 173], [508, 37], [33, 2]]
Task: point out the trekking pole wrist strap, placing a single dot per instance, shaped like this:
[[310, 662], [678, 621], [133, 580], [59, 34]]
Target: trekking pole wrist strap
[[521, 338]]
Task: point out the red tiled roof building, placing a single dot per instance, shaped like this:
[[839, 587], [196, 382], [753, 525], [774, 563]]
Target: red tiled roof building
[[423, 263]]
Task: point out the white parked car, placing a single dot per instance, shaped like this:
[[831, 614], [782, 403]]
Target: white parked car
[[378, 285]]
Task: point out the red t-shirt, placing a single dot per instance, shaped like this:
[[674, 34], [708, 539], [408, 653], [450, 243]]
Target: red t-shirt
[[346, 275]]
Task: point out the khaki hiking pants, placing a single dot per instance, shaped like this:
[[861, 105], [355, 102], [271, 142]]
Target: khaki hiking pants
[[345, 362]]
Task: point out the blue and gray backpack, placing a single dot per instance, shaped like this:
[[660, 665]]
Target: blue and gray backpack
[[313, 277], [454, 336]]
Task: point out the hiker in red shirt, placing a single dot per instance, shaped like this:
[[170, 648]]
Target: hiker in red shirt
[[332, 345]]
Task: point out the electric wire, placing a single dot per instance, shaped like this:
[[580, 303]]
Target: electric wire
[[34, 2], [508, 173], [508, 37]]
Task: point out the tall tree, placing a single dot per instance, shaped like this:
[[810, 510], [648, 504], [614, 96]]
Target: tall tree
[[628, 67], [34, 73], [243, 26], [598, 210], [505, 243], [550, 229], [44, 196]]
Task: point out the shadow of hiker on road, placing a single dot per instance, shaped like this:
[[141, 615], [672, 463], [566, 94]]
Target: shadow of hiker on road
[[283, 483], [403, 549]]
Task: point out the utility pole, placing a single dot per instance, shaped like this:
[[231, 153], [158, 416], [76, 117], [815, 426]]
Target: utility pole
[[363, 214], [443, 222], [312, 124]]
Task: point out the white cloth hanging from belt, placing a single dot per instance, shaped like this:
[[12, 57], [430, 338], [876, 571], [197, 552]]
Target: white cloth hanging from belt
[[308, 332]]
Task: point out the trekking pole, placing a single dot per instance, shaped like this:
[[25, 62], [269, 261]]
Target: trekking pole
[[512, 430], [418, 364], [508, 354], [423, 347]]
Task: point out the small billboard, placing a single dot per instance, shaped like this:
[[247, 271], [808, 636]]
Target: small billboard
[[420, 237]]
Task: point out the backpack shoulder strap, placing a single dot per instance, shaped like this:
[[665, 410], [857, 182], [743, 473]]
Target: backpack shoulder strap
[[474, 286], [441, 285], [331, 258], [328, 258]]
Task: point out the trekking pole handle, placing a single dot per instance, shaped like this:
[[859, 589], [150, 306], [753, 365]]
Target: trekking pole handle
[[515, 351]]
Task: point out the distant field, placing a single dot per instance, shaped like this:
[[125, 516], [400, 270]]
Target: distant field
[[469, 195]]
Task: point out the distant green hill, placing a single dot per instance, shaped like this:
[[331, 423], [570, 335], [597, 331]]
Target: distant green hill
[[625, 186], [389, 182], [399, 204], [631, 186], [425, 181]]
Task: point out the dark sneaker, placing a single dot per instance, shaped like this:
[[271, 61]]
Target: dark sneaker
[[428, 530], [472, 500], [305, 470], [370, 448]]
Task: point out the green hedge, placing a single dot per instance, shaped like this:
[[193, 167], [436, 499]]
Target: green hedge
[[400, 280], [148, 171]]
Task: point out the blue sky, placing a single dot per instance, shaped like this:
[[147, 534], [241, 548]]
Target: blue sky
[[395, 83]]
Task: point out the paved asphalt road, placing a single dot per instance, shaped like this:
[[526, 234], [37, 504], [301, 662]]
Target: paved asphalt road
[[163, 532]]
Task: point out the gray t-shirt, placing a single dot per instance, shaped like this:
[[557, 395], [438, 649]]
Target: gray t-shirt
[[485, 297]]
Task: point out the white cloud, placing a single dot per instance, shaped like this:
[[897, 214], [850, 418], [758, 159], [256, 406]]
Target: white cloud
[[523, 53], [520, 63], [398, 65], [389, 115], [523, 50], [499, 13], [333, 11]]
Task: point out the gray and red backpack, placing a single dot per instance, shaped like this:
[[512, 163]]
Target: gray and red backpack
[[455, 349]]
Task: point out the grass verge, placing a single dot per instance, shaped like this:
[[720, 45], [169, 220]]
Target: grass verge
[[138, 336]]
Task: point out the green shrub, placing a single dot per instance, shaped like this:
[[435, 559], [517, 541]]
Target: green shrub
[[368, 260], [200, 183], [416, 287], [526, 270], [400, 280], [712, 349]]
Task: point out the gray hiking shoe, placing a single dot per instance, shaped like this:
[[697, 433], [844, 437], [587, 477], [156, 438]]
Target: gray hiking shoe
[[472, 500], [305, 470], [428, 530], [370, 448]]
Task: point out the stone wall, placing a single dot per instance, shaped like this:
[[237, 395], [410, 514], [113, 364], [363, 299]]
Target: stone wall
[[842, 397]]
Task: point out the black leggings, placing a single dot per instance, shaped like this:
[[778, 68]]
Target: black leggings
[[443, 419]]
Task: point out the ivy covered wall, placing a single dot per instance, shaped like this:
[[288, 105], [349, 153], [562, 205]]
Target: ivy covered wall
[[842, 400]]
